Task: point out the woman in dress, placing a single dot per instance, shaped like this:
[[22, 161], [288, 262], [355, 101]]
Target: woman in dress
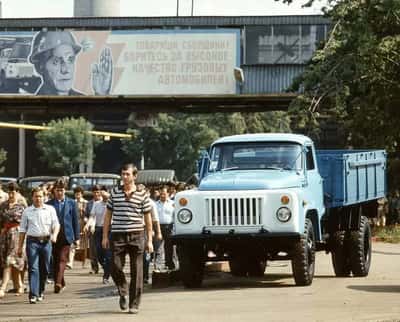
[[10, 219]]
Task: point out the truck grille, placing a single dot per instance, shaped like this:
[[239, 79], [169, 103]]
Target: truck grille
[[233, 211]]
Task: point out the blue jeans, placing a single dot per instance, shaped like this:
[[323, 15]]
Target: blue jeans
[[103, 255], [38, 254]]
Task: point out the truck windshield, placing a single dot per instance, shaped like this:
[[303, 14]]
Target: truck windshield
[[257, 155], [20, 51]]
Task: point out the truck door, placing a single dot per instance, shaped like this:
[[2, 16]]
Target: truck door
[[315, 186]]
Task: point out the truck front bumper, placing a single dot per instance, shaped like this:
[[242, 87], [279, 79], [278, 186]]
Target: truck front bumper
[[277, 237]]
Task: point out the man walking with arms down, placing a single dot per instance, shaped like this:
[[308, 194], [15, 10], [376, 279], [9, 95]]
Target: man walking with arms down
[[67, 213], [130, 210], [40, 223]]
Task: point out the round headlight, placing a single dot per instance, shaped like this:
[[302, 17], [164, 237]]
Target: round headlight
[[283, 214], [185, 216]]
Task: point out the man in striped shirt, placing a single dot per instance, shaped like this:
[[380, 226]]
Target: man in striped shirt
[[129, 209]]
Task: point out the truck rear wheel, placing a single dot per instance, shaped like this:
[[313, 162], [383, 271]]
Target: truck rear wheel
[[191, 265], [242, 264], [360, 249], [256, 267], [238, 266], [340, 254], [303, 258]]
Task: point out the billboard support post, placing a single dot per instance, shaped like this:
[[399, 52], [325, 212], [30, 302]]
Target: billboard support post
[[21, 149]]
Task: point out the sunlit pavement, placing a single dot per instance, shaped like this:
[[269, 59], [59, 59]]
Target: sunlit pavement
[[273, 297]]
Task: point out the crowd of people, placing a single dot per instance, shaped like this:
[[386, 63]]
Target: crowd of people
[[44, 238], [388, 210]]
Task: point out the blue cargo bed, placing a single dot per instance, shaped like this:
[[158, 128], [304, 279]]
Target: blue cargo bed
[[352, 176]]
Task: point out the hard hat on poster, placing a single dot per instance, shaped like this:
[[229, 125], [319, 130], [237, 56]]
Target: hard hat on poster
[[47, 40]]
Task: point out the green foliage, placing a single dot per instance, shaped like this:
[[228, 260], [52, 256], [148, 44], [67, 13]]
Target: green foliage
[[388, 234], [66, 144], [176, 141], [173, 144], [3, 158], [353, 79]]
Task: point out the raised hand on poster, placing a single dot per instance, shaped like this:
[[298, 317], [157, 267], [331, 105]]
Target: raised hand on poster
[[102, 73]]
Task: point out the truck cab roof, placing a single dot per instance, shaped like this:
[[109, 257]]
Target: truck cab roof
[[262, 137]]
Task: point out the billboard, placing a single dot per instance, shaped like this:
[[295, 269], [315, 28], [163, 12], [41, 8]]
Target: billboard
[[128, 62]]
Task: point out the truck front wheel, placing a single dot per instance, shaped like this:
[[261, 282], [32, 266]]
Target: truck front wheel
[[191, 265], [303, 257], [340, 254], [360, 249]]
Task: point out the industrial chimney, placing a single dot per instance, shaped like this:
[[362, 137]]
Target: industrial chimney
[[96, 8]]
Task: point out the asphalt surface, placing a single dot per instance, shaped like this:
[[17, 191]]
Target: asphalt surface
[[224, 298]]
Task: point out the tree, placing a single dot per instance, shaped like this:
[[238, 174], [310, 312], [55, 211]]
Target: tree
[[173, 144], [353, 79], [67, 144], [3, 158], [176, 141]]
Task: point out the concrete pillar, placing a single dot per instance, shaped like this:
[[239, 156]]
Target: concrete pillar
[[89, 161], [21, 150], [96, 8]]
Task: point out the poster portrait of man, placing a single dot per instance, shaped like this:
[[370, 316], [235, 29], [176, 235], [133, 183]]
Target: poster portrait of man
[[54, 55]]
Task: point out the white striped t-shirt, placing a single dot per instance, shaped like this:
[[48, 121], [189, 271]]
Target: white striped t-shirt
[[128, 212]]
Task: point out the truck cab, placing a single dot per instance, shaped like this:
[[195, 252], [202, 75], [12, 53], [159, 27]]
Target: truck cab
[[17, 73], [274, 175]]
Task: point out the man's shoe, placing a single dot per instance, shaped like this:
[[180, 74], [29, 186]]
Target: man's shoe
[[40, 298], [58, 288], [33, 300], [133, 310], [123, 303], [106, 281]]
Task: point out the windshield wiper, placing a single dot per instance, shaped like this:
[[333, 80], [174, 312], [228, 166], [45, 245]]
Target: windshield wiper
[[272, 168]]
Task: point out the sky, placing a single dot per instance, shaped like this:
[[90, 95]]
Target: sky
[[64, 8]]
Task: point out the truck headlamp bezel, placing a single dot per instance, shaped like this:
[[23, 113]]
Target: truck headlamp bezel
[[184, 216], [283, 214]]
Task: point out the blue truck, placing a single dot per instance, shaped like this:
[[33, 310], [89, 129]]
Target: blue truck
[[265, 197]]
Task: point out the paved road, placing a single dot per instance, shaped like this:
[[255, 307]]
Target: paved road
[[225, 298]]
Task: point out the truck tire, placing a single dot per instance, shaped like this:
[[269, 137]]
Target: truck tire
[[340, 254], [256, 267], [303, 257], [191, 266], [360, 249]]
